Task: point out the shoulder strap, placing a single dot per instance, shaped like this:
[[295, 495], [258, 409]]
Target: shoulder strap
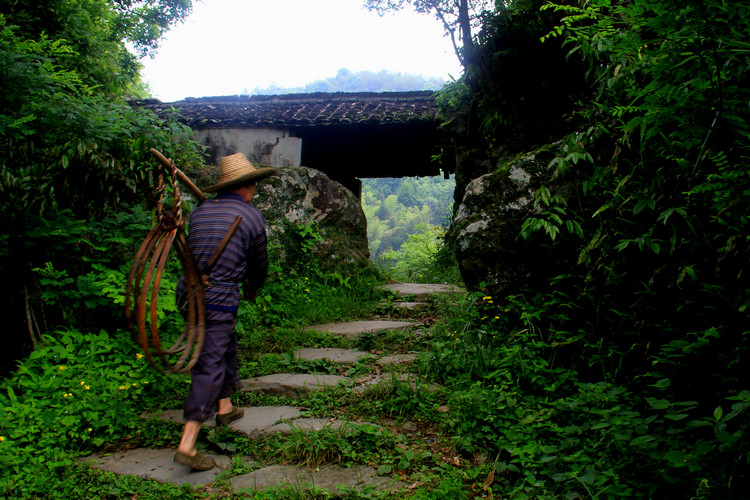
[[220, 249]]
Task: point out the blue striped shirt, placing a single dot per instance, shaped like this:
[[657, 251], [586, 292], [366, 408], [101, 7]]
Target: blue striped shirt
[[244, 258]]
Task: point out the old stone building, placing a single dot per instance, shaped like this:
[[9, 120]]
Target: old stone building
[[346, 135]]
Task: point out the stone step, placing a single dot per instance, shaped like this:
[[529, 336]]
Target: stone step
[[332, 478], [408, 306], [261, 421], [343, 356], [397, 359], [419, 291], [258, 421], [292, 385], [386, 380], [354, 329], [158, 465]]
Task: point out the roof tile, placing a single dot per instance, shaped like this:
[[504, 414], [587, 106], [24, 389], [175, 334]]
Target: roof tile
[[317, 109]]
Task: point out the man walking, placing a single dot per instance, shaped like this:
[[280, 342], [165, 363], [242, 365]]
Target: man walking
[[245, 258]]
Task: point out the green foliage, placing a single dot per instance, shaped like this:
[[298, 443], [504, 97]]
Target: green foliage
[[658, 243], [302, 292], [552, 431], [347, 444], [422, 258], [77, 393], [72, 151], [643, 287], [413, 399], [74, 480], [289, 363]]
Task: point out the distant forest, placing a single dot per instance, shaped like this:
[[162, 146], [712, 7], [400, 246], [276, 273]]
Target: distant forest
[[360, 81], [396, 207]]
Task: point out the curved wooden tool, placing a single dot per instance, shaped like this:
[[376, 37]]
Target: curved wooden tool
[[144, 282]]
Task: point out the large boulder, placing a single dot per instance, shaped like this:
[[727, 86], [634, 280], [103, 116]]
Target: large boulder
[[484, 234], [298, 198]]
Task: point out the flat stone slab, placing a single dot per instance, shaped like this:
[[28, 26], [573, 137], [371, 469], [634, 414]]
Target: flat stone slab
[[410, 305], [292, 385], [389, 379], [332, 478], [420, 291], [261, 421], [255, 423], [397, 359], [353, 329], [305, 425], [344, 356], [157, 465]]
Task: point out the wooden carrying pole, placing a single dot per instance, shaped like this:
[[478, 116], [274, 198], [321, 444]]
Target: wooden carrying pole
[[180, 175]]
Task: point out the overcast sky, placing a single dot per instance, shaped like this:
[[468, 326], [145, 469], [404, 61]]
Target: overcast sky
[[226, 46]]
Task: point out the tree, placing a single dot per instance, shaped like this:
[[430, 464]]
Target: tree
[[72, 149], [460, 20]]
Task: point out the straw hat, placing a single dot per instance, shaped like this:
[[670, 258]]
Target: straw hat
[[236, 169]]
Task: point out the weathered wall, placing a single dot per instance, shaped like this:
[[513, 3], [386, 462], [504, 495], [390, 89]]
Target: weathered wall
[[266, 146]]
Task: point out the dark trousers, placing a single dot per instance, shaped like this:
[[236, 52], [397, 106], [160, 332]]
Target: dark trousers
[[214, 376]]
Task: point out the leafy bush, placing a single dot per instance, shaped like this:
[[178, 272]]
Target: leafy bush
[[300, 292], [77, 393], [422, 258], [72, 150], [551, 431]]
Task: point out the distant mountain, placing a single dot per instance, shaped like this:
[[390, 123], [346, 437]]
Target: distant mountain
[[360, 81]]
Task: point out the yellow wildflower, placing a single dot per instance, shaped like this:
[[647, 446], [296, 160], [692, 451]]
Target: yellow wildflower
[[83, 383], [497, 317], [138, 356], [89, 429], [61, 367], [133, 384], [122, 387], [2, 438]]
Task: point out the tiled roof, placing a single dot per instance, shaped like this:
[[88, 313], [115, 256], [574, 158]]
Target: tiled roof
[[298, 110]]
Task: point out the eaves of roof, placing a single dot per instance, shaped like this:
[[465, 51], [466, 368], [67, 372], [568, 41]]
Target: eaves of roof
[[302, 110]]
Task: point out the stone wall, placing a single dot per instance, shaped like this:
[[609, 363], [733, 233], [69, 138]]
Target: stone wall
[[267, 146]]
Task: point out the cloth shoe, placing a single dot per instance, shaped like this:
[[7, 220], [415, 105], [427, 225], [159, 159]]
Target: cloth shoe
[[226, 418], [199, 461]]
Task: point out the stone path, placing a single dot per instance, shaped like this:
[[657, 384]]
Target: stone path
[[262, 421], [332, 478], [418, 291], [344, 356], [353, 329]]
